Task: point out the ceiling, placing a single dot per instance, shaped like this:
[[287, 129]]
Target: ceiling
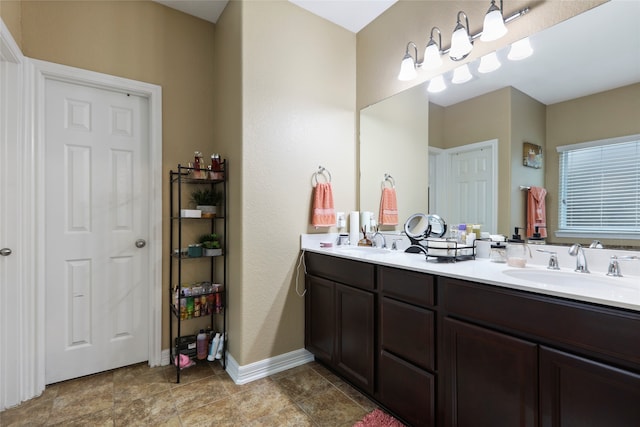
[[556, 72], [353, 15]]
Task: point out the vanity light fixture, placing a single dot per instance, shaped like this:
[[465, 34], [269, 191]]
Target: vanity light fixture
[[489, 63], [437, 84], [461, 74], [520, 50], [408, 65], [493, 27], [432, 52], [460, 40]]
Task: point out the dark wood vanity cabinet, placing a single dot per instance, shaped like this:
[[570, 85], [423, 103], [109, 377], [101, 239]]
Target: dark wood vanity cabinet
[[439, 351], [518, 358], [340, 316], [406, 365]]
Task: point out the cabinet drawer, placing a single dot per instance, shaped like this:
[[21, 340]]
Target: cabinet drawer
[[604, 332], [408, 331], [353, 273], [407, 390], [408, 286]]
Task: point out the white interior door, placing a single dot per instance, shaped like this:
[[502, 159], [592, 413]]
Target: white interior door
[[472, 185], [96, 204]]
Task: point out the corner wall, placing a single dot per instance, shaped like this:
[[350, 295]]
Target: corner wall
[[298, 112]]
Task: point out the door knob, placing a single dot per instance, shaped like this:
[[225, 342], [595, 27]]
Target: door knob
[[5, 252], [141, 243]]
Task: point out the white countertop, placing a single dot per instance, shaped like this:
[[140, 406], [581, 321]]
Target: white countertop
[[596, 287]]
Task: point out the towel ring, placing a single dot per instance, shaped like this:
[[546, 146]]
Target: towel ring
[[321, 171], [388, 178]]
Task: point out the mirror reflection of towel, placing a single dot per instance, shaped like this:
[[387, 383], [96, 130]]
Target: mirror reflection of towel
[[388, 214], [536, 212], [323, 213]]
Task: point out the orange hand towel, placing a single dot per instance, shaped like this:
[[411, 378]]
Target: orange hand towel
[[323, 214], [536, 212], [388, 214]]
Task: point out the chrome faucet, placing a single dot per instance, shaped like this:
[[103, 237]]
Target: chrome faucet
[[581, 260], [553, 259], [596, 244], [614, 266], [384, 241]]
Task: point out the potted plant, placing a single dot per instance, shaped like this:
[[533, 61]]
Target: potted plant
[[206, 201], [210, 244]]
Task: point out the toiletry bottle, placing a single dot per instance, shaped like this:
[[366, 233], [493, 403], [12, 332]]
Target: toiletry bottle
[[201, 345], [536, 238]]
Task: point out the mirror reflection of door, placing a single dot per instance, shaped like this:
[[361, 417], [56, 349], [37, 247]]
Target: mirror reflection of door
[[466, 192]]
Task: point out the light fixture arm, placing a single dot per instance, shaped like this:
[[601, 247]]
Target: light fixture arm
[[466, 20], [439, 38], [415, 48]]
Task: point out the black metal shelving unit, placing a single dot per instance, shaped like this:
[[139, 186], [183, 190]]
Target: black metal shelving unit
[[182, 182]]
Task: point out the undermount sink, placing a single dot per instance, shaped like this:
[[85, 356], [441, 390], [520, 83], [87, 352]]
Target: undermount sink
[[559, 278], [362, 250]]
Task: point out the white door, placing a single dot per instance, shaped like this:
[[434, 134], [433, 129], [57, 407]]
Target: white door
[[471, 189], [96, 204]]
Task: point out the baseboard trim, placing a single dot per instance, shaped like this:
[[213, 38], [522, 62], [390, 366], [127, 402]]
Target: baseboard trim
[[264, 368], [261, 369]]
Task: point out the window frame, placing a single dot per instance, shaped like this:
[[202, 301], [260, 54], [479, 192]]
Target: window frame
[[588, 233]]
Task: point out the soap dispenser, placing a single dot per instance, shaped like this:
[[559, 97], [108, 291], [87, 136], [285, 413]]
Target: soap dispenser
[[536, 238], [517, 250]]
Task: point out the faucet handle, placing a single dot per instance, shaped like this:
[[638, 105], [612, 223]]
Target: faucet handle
[[553, 259], [614, 267]]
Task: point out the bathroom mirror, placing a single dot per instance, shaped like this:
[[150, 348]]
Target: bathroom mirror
[[564, 66]]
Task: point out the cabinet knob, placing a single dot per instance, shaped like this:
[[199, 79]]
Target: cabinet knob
[[5, 252], [141, 243]]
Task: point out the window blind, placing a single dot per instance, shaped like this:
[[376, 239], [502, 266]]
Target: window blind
[[600, 188]]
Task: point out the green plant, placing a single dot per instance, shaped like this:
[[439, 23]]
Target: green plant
[[205, 197], [210, 241]]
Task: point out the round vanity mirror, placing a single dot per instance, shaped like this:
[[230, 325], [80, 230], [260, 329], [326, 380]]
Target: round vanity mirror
[[420, 226], [438, 226], [417, 226]]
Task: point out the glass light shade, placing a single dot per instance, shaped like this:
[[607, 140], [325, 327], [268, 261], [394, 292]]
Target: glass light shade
[[432, 59], [461, 74], [489, 63], [407, 69], [493, 27], [520, 50], [437, 84], [460, 43]]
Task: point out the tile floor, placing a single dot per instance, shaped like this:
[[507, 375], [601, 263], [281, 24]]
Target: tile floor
[[308, 395]]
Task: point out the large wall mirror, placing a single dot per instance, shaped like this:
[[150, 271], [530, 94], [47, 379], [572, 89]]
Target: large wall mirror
[[582, 83]]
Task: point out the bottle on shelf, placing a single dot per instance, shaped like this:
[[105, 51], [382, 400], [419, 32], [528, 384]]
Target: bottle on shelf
[[201, 345]]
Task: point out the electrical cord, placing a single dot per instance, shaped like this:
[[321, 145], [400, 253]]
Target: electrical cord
[[300, 261]]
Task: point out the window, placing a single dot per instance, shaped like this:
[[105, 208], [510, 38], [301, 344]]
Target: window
[[600, 188]]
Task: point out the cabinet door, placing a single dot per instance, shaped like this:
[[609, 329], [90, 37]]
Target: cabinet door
[[320, 318], [491, 379], [579, 392], [406, 390], [355, 335]]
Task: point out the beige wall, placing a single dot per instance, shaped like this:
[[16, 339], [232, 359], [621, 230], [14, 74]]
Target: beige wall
[[10, 12], [227, 130], [298, 112], [394, 135], [527, 125], [381, 44], [604, 115]]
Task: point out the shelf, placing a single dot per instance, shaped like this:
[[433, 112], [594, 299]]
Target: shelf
[[209, 305]]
